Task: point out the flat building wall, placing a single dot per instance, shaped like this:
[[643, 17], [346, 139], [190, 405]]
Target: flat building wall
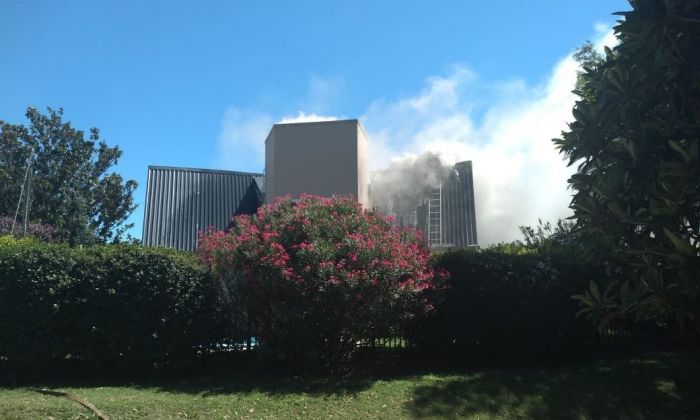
[[322, 158]]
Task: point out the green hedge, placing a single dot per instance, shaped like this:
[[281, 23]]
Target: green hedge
[[117, 305], [505, 304]]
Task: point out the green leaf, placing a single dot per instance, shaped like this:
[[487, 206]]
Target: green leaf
[[678, 148], [694, 146], [631, 148], [682, 245], [583, 311], [608, 52], [616, 210], [583, 299], [595, 291]]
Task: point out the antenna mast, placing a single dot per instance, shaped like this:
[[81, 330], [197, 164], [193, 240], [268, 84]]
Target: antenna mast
[[26, 184]]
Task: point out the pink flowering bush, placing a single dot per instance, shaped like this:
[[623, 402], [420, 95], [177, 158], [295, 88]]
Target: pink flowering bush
[[42, 232], [316, 276]]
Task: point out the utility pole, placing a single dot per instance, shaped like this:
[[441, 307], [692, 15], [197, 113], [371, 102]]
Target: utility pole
[[21, 193], [27, 199]]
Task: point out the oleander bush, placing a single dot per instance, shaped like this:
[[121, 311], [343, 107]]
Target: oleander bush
[[315, 277], [109, 306]]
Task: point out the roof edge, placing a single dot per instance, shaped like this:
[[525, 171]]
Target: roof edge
[[352, 120], [185, 169]]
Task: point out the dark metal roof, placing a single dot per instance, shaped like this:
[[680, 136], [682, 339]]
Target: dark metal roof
[[180, 202]]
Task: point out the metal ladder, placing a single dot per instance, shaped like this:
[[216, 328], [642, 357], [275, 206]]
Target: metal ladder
[[435, 216]]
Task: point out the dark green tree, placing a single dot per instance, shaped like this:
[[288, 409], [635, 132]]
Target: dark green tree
[[636, 140], [590, 59], [546, 238], [70, 186]]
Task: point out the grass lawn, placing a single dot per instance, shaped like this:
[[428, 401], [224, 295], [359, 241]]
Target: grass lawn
[[660, 385]]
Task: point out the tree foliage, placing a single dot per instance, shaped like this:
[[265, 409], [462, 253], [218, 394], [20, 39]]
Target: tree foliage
[[590, 59], [546, 239], [71, 187], [636, 140]]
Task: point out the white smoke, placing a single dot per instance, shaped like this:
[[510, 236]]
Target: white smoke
[[242, 139], [303, 117], [519, 176]]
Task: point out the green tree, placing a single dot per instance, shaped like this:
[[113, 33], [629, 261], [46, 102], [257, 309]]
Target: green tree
[[70, 186], [636, 140], [590, 59], [545, 238]]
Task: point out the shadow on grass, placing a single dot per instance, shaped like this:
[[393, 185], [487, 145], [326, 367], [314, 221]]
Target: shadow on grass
[[272, 380], [665, 386], [239, 374], [660, 385]]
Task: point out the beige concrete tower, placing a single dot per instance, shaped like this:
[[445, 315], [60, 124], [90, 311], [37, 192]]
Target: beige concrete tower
[[323, 158]]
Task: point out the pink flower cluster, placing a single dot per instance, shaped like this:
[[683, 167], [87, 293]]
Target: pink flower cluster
[[317, 245]]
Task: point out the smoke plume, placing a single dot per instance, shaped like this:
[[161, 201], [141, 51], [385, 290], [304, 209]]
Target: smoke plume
[[402, 186], [519, 176], [505, 129]]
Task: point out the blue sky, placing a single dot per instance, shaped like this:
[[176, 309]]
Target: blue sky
[[198, 84]]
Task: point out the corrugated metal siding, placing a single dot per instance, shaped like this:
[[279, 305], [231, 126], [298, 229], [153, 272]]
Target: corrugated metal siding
[[457, 207], [180, 202], [458, 210]]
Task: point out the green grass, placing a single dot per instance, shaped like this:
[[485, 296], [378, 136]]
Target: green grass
[[661, 385]]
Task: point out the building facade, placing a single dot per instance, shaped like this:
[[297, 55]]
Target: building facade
[[181, 202], [448, 212], [321, 158]]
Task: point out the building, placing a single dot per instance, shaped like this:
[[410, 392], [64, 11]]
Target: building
[[180, 202], [322, 158], [448, 214]]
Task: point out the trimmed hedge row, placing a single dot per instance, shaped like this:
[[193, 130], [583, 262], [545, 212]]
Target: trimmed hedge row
[[126, 306], [118, 305], [498, 303]]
